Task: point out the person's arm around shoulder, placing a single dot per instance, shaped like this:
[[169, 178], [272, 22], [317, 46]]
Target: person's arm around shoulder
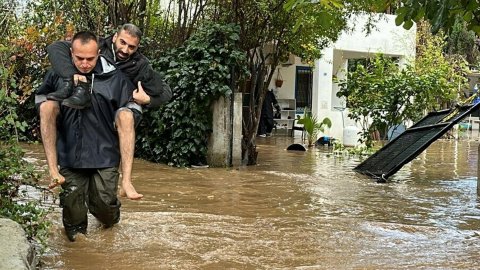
[[154, 86], [140, 96], [60, 57]]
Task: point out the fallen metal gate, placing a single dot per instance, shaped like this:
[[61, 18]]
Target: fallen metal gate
[[408, 145]]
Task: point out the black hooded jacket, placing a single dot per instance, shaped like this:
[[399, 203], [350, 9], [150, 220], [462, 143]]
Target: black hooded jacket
[[136, 68], [269, 102], [87, 138]]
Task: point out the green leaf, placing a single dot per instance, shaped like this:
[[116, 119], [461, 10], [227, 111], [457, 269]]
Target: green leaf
[[399, 19], [468, 16], [408, 24], [440, 16]]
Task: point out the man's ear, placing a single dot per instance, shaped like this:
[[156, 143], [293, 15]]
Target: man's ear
[[114, 37]]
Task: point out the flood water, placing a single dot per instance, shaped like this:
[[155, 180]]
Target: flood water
[[294, 210]]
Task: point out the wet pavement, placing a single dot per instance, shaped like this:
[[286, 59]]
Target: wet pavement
[[294, 210]]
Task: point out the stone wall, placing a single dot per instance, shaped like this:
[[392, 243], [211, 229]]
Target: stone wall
[[15, 250]]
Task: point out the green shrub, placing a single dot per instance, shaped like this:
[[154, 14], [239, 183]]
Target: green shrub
[[15, 88], [199, 73]]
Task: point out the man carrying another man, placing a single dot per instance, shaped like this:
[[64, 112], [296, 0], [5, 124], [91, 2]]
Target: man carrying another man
[[151, 92], [88, 145]]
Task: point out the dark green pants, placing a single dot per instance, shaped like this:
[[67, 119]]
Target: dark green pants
[[93, 190]]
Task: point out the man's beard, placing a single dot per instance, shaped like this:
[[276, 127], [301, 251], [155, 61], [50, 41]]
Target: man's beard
[[122, 56]]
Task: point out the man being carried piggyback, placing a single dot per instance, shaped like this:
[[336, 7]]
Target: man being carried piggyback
[[122, 50], [87, 147]]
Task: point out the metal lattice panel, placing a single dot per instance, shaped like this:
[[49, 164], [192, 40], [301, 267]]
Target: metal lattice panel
[[399, 152], [408, 145], [431, 119]]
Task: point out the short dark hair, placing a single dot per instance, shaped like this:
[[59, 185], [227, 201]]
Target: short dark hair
[[132, 30], [84, 37]]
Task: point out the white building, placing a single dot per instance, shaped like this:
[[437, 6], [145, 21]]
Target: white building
[[314, 87]]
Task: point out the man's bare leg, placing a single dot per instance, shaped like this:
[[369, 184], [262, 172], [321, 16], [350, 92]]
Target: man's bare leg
[[49, 111], [126, 135]]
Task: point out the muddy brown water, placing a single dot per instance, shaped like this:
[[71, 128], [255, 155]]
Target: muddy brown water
[[294, 210]]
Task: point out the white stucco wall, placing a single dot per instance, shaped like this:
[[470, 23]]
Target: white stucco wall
[[287, 72], [386, 38]]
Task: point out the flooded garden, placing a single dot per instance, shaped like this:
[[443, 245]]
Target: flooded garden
[[294, 210]]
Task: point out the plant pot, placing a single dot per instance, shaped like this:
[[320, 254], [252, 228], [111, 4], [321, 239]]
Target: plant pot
[[278, 83]]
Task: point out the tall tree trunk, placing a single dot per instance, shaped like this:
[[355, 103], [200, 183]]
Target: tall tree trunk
[[261, 70]]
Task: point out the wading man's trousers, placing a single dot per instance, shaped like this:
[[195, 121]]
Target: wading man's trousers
[[93, 190]]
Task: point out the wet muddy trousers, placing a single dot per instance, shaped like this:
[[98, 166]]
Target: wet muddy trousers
[[93, 190]]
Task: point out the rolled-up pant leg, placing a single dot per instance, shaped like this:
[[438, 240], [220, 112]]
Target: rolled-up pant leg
[[136, 113], [73, 199], [102, 197]]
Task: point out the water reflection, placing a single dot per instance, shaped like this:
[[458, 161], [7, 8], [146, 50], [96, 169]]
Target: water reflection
[[295, 210]]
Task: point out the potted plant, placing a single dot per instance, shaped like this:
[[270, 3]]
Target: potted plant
[[312, 126], [279, 80], [278, 83]]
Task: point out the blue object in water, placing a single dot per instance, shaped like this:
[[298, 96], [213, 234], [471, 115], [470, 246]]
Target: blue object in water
[[325, 140], [465, 126], [394, 131]]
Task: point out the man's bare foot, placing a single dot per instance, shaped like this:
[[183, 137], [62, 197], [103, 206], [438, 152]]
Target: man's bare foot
[[127, 190], [57, 180]]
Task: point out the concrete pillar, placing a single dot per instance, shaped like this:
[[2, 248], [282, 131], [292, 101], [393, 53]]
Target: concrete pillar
[[225, 142]]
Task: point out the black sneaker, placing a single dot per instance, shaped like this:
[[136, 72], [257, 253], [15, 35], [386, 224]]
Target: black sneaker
[[64, 90], [80, 99]]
